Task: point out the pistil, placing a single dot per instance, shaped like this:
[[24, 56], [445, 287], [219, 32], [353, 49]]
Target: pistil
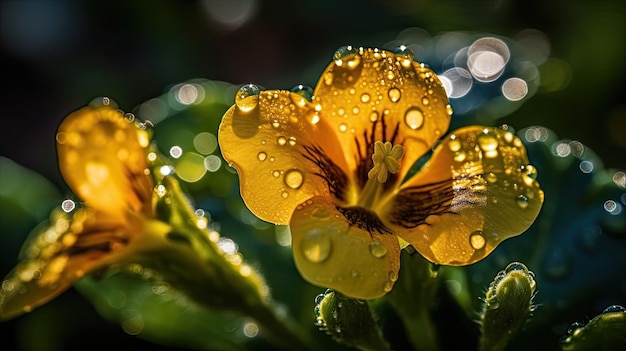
[[386, 160]]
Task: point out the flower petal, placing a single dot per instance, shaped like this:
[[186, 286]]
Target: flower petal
[[283, 153], [371, 94], [476, 191], [102, 159], [56, 255], [330, 252]]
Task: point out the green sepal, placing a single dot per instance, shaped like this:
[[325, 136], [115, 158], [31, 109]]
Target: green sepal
[[349, 321], [508, 304], [606, 331]]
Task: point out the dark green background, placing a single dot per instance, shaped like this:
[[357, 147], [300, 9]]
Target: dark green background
[[59, 55]]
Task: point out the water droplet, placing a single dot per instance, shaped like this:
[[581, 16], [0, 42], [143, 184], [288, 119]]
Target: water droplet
[[516, 266], [404, 52], [303, 90], [373, 116], [477, 240], [276, 173], [294, 178], [281, 140], [529, 174], [388, 286], [491, 177], [129, 117], [574, 327], [284, 194], [343, 127], [488, 143], [106, 101], [316, 246], [328, 78], [250, 91], [315, 118], [425, 101], [460, 156], [377, 249], [275, 123], [262, 156], [492, 303], [614, 308], [292, 140], [414, 118], [344, 52], [522, 201], [394, 95], [454, 144], [347, 56], [449, 110], [365, 98]]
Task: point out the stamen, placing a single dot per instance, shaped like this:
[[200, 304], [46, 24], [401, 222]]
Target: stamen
[[385, 159]]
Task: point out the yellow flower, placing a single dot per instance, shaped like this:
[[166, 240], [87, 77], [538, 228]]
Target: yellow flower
[[102, 157], [336, 168]]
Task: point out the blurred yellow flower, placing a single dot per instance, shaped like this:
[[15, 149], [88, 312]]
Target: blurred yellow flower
[[102, 157], [336, 166]]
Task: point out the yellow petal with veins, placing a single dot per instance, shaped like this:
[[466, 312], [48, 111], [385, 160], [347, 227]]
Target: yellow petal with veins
[[476, 191], [63, 250], [330, 252], [102, 159], [283, 152], [367, 91]]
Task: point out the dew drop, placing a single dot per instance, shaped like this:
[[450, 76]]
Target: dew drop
[[516, 266], [614, 308], [284, 194], [574, 327], [522, 201], [454, 145], [488, 143], [250, 91], [292, 140], [365, 98], [404, 52], [460, 156], [276, 173], [377, 249], [425, 101], [343, 127], [320, 213], [344, 52], [491, 177], [316, 246], [394, 95], [328, 78], [293, 178], [303, 90], [262, 156], [414, 118], [477, 240], [449, 110], [281, 140], [373, 116]]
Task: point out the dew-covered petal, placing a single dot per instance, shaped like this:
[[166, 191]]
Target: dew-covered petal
[[332, 252], [102, 158], [370, 94], [283, 153], [477, 190], [57, 254]]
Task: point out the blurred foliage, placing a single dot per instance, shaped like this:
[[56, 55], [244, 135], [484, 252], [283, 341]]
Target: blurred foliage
[[136, 54]]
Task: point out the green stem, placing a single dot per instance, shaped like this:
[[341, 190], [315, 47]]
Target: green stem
[[412, 297]]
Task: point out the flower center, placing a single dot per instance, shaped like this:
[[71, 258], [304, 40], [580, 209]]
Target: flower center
[[386, 160]]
